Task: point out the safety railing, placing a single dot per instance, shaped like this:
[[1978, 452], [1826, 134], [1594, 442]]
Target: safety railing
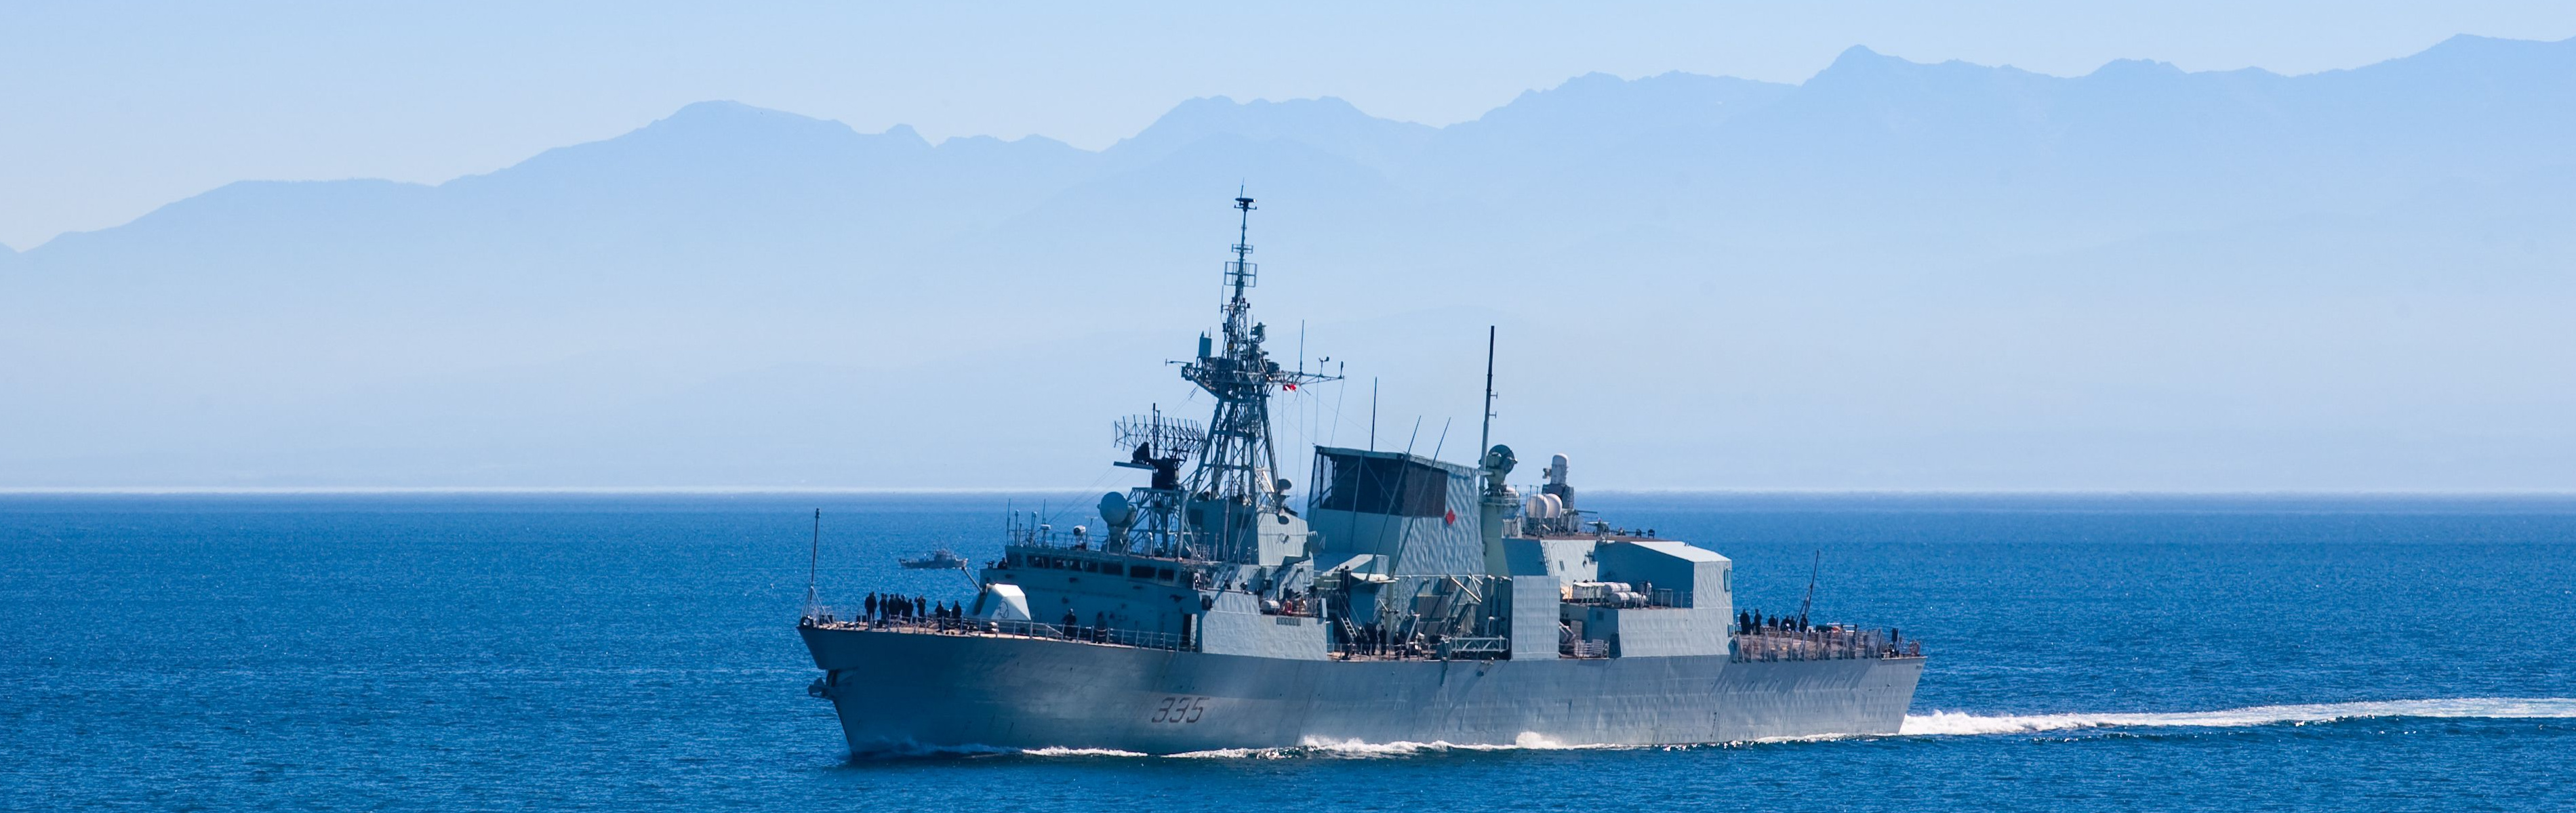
[[1822, 644], [1472, 648], [1112, 636], [1634, 600]]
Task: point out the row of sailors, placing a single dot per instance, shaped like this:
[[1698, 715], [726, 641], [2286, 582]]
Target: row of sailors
[[1755, 623], [897, 607]]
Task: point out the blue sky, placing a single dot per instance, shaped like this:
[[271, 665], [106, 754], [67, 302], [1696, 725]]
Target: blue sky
[[110, 109]]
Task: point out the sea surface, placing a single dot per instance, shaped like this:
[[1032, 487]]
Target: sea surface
[[559, 652]]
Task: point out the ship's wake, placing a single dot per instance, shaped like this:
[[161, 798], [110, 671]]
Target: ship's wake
[[1944, 723], [1317, 747], [1936, 724], [1320, 748]]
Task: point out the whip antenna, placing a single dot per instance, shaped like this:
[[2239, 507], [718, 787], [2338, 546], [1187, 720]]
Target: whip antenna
[[1810, 600], [813, 559], [1485, 441]]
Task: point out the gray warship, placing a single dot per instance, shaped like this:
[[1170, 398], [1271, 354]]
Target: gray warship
[[1409, 599]]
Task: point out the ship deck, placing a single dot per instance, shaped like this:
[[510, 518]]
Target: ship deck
[[1817, 644], [980, 628]]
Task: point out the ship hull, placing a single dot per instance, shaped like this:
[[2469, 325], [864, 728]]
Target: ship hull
[[898, 691]]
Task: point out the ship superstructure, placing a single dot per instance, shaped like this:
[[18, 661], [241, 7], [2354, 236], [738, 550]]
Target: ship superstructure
[[1408, 599]]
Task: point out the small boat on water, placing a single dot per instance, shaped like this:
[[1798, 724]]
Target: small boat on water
[[939, 559]]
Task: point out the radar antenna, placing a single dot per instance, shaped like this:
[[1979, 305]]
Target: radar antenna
[[1159, 444], [1238, 463]]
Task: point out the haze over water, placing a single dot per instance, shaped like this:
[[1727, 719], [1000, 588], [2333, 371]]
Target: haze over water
[[637, 652], [2282, 247], [1896, 273]]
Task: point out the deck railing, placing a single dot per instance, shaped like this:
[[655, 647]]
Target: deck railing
[[1111, 636], [1656, 598], [1767, 644], [1822, 644]]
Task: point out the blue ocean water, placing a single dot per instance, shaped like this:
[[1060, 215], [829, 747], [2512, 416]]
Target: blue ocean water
[[636, 652]]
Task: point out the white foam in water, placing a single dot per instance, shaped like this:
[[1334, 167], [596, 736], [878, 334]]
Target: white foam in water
[[1081, 752], [1938, 723], [1235, 753], [1954, 723], [1345, 748], [1527, 741], [1533, 739]]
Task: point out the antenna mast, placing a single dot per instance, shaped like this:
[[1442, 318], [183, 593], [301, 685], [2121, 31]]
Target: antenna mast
[[1810, 601], [1239, 464], [1485, 440], [814, 559]]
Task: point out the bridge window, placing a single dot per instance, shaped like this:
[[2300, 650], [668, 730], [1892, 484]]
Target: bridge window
[[1383, 485]]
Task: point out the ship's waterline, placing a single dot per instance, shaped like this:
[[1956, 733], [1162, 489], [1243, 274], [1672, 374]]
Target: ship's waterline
[[902, 691]]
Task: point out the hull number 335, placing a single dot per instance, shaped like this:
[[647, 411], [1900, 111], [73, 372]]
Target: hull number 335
[[1182, 709]]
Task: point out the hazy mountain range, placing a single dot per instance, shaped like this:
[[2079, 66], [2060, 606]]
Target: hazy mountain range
[[1894, 275]]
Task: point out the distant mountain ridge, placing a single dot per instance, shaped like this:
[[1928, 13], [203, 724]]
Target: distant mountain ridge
[[1994, 142], [726, 240]]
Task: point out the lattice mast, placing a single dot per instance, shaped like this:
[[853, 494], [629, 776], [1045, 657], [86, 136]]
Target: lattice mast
[[1236, 477]]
